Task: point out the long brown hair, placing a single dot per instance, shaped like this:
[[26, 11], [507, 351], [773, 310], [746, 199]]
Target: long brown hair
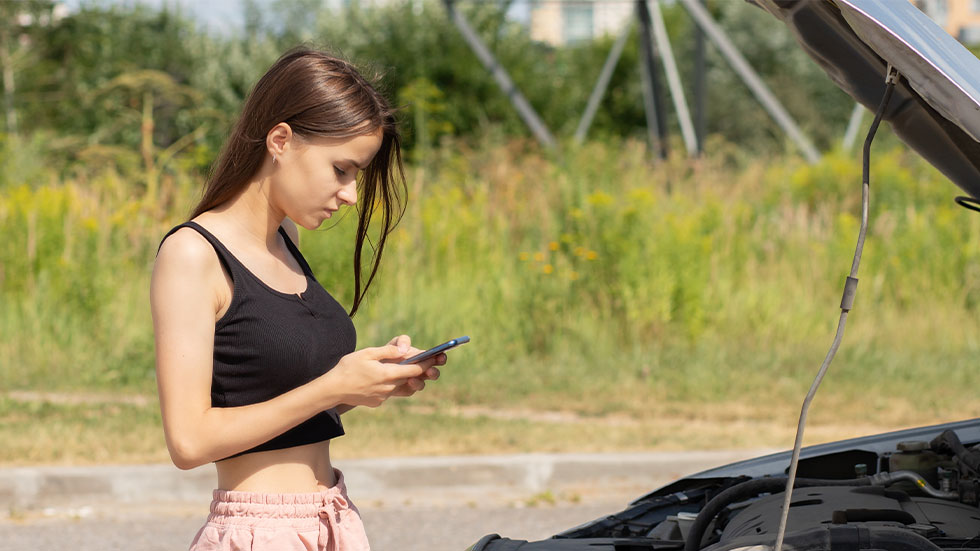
[[317, 95]]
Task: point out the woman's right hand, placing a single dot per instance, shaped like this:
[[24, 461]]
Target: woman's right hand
[[370, 376]]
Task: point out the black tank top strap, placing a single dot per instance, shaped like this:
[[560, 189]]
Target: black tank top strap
[[231, 264], [294, 250]]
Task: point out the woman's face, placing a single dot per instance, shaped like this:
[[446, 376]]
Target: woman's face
[[314, 178]]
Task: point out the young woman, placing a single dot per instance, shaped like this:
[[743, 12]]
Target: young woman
[[255, 360]]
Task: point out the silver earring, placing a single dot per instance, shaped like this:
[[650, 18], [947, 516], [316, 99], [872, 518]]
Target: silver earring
[[273, 159]]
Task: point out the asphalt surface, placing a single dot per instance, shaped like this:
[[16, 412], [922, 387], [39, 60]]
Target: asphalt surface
[[408, 504], [403, 529]]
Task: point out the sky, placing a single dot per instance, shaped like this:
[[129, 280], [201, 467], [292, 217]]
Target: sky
[[226, 15], [220, 15]]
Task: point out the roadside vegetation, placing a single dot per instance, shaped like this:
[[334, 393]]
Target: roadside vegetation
[[683, 294], [614, 302]]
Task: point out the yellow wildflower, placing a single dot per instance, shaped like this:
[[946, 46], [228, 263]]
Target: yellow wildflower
[[539, 257], [600, 198], [548, 268], [553, 245], [591, 255]]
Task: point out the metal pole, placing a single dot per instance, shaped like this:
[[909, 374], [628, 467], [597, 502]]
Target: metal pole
[[699, 86], [850, 135], [421, 122], [652, 101], [600, 86], [751, 79], [524, 108], [8, 79], [673, 77]]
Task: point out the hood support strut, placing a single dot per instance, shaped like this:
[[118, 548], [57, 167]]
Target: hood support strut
[[850, 288]]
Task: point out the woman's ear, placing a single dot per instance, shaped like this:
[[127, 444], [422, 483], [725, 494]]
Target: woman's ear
[[278, 140]]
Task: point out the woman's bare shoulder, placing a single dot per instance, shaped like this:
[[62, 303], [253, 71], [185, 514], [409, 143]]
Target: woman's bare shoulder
[[187, 275], [188, 249], [187, 260]]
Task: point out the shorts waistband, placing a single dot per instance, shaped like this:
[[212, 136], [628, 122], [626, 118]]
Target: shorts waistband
[[295, 509]]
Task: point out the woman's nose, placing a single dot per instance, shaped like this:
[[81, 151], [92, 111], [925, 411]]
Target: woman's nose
[[348, 193]]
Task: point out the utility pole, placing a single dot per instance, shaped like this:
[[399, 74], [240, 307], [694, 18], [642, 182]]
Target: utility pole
[[600, 86], [524, 109], [421, 124], [653, 103], [699, 86], [853, 125], [751, 79], [673, 77]]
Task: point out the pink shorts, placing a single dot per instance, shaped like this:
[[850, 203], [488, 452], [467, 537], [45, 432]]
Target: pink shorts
[[321, 521]]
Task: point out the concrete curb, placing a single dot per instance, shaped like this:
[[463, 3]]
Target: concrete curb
[[436, 481]]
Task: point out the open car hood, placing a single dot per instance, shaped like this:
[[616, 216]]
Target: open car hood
[[835, 459], [936, 106]]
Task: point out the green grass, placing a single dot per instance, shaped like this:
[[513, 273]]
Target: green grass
[[43, 432], [595, 284], [52, 431]]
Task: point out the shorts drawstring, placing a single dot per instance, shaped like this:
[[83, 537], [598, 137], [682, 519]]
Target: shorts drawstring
[[334, 511]]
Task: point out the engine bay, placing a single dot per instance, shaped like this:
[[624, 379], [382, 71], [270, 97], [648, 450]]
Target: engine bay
[[917, 495]]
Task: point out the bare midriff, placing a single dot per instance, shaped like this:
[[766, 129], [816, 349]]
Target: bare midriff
[[299, 469]]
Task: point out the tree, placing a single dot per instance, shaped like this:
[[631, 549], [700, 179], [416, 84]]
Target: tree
[[20, 25], [132, 98], [87, 53]]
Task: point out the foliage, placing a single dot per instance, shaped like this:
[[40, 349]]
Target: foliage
[[587, 277], [417, 56], [82, 53], [689, 281]]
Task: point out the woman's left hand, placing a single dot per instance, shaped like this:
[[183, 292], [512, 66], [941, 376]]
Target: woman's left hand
[[415, 384]]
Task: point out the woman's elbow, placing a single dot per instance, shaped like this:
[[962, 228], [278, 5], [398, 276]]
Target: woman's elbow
[[185, 455], [186, 464]]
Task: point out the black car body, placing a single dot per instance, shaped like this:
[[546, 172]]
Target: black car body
[[832, 511], [912, 490]]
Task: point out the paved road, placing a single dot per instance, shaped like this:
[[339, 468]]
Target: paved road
[[408, 504], [425, 528]]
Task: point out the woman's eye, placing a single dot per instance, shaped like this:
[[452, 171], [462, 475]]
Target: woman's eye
[[339, 171]]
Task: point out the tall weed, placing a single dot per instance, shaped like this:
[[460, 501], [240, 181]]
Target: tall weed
[[595, 281]]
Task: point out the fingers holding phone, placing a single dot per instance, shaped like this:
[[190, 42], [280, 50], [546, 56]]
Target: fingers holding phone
[[427, 360], [403, 342], [385, 371], [434, 356], [436, 351], [369, 376], [424, 358]]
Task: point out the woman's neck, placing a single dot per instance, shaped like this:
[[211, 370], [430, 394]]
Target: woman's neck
[[252, 212]]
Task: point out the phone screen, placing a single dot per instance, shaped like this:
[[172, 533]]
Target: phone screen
[[435, 350]]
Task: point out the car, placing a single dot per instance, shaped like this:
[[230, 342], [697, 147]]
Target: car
[[910, 490], [915, 489]]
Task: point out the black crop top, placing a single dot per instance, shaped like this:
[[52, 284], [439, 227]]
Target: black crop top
[[269, 342]]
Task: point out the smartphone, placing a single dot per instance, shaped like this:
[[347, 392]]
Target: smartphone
[[435, 350]]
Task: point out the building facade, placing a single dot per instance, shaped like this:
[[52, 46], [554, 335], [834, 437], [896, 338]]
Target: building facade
[[568, 21], [560, 22], [960, 18]]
